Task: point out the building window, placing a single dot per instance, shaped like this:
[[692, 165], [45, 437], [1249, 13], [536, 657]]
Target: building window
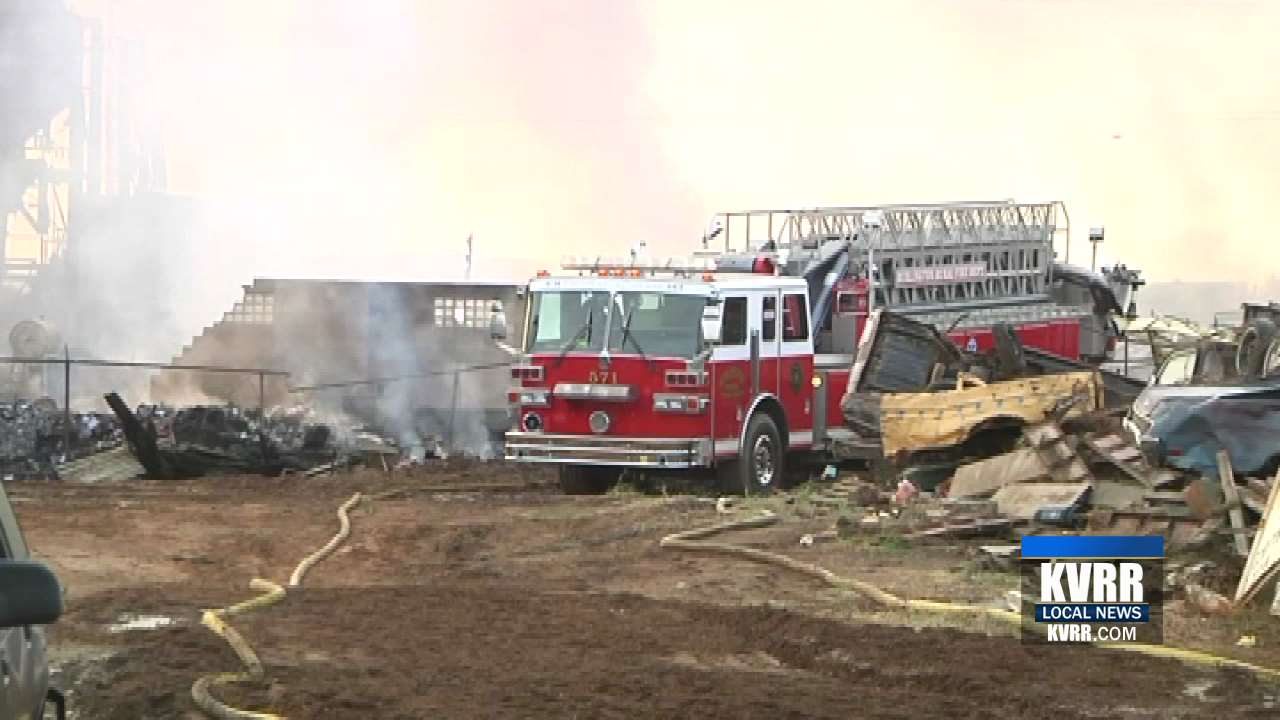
[[256, 308], [460, 312]]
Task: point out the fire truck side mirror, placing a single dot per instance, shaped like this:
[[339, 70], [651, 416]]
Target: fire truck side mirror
[[711, 326]]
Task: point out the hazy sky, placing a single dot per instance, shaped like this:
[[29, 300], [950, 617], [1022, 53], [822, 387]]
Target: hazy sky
[[378, 134]]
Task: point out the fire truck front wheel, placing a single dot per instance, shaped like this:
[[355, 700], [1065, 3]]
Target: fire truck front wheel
[[586, 480], [759, 471]]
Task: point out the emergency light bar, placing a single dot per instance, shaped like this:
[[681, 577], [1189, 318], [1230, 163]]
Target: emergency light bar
[[611, 267]]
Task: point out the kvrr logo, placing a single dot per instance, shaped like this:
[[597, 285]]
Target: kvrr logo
[[1093, 588], [1082, 582]]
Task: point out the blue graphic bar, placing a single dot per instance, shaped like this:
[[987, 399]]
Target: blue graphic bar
[[1093, 612], [1092, 546]]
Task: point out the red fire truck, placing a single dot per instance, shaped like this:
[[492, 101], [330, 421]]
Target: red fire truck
[[725, 361]]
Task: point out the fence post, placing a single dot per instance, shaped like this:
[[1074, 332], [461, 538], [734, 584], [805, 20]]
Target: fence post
[[66, 402], [453, 408]]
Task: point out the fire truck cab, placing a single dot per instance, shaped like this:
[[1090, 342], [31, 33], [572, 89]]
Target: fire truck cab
[[623, 369]]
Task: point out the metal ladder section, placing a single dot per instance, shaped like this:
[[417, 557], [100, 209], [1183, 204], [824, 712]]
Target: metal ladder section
[[917, 255]]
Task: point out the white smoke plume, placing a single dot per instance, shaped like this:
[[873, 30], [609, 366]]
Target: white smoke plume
[[334, 139]]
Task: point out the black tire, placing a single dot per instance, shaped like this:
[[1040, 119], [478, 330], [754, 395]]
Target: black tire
[[1252, 349], [586, 479], [762, 466]]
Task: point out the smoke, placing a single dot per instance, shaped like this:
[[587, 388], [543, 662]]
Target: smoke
[[334, 139]]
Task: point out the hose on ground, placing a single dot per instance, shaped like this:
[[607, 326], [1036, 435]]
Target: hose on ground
[[694, 541], [344, 530], [215, 620]]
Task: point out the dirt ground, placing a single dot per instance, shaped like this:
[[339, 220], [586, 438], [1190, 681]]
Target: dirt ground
[[519, 602]]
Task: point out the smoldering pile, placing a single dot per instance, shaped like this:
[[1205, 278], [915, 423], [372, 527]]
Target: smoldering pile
[[202, 440]]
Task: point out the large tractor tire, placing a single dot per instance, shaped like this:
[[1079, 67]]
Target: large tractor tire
[[762, 466], [1251, 352], [587, 479], [1271, 360]]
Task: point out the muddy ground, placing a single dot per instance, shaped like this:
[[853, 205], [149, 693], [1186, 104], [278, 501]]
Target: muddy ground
[[519, 602]]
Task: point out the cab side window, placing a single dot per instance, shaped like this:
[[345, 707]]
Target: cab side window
[[795, 322], [734, 329], [769, 318]]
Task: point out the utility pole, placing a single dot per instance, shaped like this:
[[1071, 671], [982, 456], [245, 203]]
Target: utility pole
[[468, 257]]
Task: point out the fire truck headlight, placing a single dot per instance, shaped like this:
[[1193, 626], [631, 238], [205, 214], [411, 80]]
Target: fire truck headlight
[[538, 398], [599, 421], [532, 422]]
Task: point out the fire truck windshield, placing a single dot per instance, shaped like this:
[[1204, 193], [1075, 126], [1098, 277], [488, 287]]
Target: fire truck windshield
[[656, 324], [660, 324]]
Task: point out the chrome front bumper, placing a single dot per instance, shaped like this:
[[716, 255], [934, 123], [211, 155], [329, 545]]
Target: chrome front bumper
[[607, 450]]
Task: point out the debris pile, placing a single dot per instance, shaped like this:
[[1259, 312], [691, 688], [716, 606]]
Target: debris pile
[[35, 439], [207, 439], [982, 445]]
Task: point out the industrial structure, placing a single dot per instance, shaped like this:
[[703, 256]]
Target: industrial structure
[[79, 172], [373, 350]]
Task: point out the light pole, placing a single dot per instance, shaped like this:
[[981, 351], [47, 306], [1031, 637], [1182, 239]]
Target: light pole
[[1095, 239]]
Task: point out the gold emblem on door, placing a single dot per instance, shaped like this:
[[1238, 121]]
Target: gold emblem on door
[[733, 382]]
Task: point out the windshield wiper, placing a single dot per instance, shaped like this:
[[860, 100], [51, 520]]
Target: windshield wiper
[[586, 328], [626, 333]]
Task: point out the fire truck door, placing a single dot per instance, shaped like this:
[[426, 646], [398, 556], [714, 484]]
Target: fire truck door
[[731, 374], [795, 383], [769, 368]]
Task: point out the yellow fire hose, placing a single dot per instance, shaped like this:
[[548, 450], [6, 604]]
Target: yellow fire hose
[[215, 620], [693, 541]]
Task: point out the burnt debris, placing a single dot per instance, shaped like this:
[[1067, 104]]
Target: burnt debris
[[202, 440], [35, 440]]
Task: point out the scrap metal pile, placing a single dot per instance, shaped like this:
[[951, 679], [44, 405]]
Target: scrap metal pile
[[35, 438]]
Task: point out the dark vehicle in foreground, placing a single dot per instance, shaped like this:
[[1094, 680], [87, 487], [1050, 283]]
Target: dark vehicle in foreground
[[30, 597]]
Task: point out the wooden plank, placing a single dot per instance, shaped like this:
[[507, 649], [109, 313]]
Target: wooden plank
[[1253, 499], [1264, 557], [1110, 456], [1232, 495], [975, 527], [986, 476], [1023, 500], [1164, 512], [1106, 442], [1166, 497]]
